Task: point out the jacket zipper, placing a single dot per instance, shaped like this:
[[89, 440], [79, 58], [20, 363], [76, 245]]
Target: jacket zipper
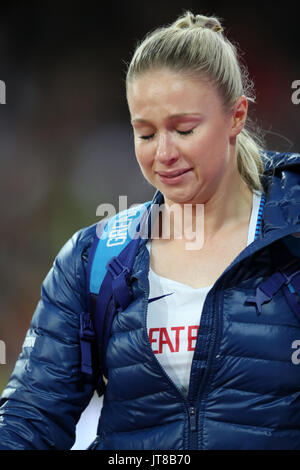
[[215, 332], [94, 444], [191, 409], [193, 418], [198, 386]]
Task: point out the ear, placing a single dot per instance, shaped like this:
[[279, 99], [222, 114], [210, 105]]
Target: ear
[[239, 115]]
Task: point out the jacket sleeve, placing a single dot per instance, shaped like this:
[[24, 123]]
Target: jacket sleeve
[[47, 392]]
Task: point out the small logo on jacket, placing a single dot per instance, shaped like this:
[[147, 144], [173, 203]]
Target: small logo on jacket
[[159, 297]]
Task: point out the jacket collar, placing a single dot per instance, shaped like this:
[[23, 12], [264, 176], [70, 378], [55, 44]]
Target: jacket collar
[[281, 182]]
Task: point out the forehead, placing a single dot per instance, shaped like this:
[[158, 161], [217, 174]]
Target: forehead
[[173, 90]]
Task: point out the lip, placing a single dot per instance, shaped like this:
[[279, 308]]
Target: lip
[[173, 177], [173, 174]]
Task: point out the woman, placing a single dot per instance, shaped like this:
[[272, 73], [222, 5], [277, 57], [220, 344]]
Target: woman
[[202, 356]]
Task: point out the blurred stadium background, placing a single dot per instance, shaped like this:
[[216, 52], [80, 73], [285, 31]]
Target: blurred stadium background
[[65, 138]]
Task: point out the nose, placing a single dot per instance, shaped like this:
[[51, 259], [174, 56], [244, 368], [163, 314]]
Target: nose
[[166, 151]]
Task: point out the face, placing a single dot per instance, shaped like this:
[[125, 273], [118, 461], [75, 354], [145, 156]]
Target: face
[[184, 140]]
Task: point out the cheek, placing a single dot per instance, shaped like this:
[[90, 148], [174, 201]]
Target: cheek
[[143, 156], [213, 145], [210, 154], [145, 163]]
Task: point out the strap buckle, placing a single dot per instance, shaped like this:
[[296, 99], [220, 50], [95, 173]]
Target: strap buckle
[[87, 337], [121, 292], [87, 331], [116, 268]]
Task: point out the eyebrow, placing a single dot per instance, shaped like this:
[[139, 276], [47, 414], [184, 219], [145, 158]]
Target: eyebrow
[[172, 116]]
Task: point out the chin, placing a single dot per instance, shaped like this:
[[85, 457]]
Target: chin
[[178, 197]]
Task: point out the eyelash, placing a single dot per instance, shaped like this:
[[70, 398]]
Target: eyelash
[[183, 133]]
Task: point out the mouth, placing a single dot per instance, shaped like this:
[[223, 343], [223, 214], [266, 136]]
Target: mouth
[[173, 177], [173, 174]]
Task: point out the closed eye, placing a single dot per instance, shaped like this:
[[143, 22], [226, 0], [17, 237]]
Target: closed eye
[[190, 131], [148, 137]]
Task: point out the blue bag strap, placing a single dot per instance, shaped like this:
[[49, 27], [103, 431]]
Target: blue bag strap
[[266, 290], [292, 288], [114, 237], [87, 331], [292, 294], [114, 296], [110, 262], [288, 278]]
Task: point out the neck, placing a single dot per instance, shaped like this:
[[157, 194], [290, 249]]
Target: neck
[[226, 209]]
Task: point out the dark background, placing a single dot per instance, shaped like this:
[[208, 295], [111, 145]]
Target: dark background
[[65, 139]]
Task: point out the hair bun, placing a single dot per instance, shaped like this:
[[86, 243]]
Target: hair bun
[[189, 20]]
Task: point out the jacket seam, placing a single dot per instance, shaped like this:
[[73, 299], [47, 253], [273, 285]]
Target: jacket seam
[[242, 425], [279, 325], [141, 397], [254, 358], [236, 389]]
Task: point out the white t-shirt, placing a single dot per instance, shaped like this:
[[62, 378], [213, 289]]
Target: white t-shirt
[[173, 317]]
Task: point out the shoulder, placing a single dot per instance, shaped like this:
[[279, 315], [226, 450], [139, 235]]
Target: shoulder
[[114, 230], [281, 180], [68, 270], [76, 248], [273, 160]]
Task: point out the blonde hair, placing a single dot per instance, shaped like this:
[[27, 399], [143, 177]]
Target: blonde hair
[[195, 44]]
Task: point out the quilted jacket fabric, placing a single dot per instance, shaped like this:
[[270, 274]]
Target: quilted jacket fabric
[[244, 388]]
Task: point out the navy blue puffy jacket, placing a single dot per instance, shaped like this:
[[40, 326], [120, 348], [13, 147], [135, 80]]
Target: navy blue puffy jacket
[[244, 387]]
